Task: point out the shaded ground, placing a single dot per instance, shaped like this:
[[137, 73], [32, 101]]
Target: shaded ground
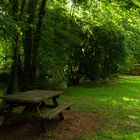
[[116, 115], [74, 125]]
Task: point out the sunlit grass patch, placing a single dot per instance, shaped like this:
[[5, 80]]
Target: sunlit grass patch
[[110, 135], [119, 106], [130, 78]]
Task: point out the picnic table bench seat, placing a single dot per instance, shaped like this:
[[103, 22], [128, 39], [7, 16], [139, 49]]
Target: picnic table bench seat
[[33, 103], [56, 111]]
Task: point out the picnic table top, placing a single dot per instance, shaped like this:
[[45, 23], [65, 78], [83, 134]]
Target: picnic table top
[[32, 96]]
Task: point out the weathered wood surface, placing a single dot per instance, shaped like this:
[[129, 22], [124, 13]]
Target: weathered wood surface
[[34, 96], [56, 111], [33, 101]]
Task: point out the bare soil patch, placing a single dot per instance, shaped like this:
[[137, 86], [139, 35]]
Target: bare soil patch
[[74, 125]]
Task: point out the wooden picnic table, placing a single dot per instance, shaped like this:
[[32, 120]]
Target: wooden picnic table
[[33, 101]]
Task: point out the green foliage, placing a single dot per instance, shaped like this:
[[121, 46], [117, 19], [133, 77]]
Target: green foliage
[[5, 55], [105, 53], [60, 35], [84, 39], [80, 39], [7, 24]]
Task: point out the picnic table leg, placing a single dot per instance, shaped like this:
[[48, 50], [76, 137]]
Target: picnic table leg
[[42, 125], [5, 120], [30, 108], [55, 101], [61, 116], [41, 122], [27, 109]]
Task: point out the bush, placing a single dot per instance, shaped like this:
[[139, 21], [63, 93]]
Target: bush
[[104, 52]]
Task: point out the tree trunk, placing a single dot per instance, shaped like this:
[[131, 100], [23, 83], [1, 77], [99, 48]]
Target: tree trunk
[[13, 82], [36, 42], [26, 78], [28, 45], [22, 8]]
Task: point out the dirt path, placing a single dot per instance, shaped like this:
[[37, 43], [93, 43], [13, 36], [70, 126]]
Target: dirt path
[[74, 125]]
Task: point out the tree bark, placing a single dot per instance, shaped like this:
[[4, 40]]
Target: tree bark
[[22, 8], [26, 78], [13, 82], [28, 45], [37, 41]]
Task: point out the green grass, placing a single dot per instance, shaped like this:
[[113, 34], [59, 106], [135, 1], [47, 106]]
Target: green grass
[[118, 105]]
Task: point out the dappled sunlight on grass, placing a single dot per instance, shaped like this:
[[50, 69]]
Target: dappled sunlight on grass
[[111, 135], [119, 106], [110, 101], [133, 117], [127, 77], [132, 101], [131, 136]]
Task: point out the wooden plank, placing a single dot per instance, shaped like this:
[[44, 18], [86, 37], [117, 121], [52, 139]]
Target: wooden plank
[[33, 96], [56, 111]]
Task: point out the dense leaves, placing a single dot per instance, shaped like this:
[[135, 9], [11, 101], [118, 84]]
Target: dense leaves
[[69, 41], [105, 53]]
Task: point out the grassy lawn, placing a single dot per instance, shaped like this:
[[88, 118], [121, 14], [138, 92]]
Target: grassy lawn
[[118, 104]]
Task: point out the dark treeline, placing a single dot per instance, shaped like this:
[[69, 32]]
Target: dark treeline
[[49, 44]]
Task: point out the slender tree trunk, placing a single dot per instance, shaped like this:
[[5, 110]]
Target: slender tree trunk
[[22, 8], [36, 42], [16, 79], [26, 78], [13, 82], [20, 70], [28, 45], [13, 78]]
